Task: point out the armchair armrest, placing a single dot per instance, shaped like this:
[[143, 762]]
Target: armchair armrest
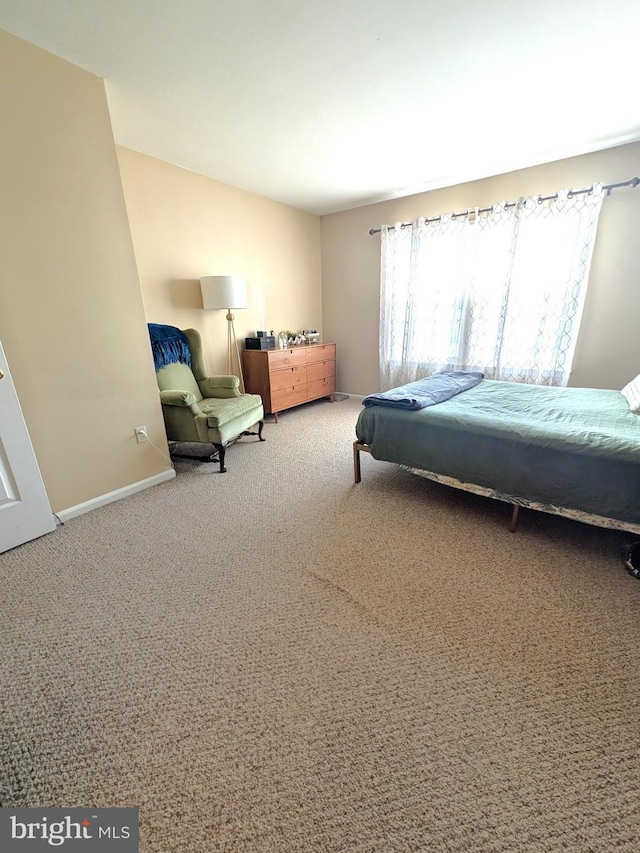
[[220, 386], [182, 399], [177, 398]]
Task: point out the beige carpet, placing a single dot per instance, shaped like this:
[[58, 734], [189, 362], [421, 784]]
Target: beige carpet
[[276, 659]]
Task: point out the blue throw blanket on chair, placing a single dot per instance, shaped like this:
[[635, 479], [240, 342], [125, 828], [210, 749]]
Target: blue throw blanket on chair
[[168, 345], [426, 392]]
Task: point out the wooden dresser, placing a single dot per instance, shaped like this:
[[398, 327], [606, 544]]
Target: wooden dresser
[[288, 377]]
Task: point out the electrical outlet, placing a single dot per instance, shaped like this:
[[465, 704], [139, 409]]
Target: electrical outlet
[[141, 434]]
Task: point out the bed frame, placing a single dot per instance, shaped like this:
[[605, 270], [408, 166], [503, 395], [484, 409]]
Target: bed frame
[[359, 447], [515, 502]]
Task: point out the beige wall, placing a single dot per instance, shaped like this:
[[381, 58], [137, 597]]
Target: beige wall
[[608, 350], [185, 226], [72, 321]]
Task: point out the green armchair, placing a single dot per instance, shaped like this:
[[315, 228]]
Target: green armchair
[[206, 409]]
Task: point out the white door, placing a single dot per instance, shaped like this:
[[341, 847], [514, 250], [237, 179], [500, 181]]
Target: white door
[[24, 506]]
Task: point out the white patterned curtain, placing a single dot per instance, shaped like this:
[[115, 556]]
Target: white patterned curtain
[[500, 291]]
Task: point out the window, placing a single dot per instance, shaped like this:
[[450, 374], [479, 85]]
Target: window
[[500, 290]]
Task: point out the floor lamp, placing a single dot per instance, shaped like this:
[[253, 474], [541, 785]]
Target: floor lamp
[[226, 291]]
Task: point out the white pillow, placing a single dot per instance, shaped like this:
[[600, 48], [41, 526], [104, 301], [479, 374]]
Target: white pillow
[[632, 392]]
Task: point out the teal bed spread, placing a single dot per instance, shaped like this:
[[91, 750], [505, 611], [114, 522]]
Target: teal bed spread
[[572, 448]]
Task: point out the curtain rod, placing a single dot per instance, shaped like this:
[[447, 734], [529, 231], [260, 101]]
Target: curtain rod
[[632, 182]]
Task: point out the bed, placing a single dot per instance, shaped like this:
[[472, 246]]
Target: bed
[[569, 451]]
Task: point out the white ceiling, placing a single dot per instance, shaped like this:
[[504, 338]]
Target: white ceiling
[[334, 104]]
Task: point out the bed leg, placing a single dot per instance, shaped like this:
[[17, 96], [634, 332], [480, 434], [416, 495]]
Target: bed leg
[[356, 462], [514, 518]]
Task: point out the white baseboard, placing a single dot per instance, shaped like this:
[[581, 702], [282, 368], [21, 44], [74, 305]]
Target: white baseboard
[[94, 503]]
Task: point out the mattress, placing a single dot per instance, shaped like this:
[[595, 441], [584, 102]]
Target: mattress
[[573, 448]]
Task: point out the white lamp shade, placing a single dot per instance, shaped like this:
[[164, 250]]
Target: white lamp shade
[[223, 291]]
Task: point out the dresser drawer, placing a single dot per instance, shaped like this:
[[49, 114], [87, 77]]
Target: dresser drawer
[[321, 387], [290, 396], [288, 377], [320, 370], [320, 352], [286, 358]]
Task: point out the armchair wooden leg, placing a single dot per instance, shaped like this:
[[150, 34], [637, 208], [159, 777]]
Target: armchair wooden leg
[[250, 432], [221, 451], [209, 457]]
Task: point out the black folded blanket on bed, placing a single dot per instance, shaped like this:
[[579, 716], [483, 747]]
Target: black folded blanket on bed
[[426, 392]]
